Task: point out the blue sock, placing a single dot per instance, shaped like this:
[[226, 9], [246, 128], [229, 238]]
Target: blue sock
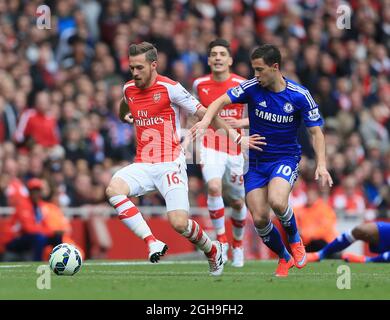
[[384, 257], [272, 239], [290, 225], [340, 243]]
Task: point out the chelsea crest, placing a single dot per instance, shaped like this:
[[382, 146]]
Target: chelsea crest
[[288, 108]]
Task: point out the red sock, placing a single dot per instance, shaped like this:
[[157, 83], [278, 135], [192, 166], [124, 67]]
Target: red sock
[[222, 238], [212, 252], [237, 243], [150, 239]]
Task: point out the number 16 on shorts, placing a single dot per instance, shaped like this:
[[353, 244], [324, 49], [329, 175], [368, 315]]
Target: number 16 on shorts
[[172, 179]]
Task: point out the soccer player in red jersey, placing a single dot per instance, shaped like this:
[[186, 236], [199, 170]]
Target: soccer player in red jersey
[[153, 103], [222, 161]]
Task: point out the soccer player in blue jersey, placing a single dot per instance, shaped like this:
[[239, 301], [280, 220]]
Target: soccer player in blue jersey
[[276, 106], [375, 234]]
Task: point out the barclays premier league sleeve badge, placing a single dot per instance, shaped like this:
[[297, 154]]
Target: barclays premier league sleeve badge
[[314, 114], [237, 91]]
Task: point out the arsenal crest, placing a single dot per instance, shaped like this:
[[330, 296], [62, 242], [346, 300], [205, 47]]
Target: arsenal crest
[[156, 97]]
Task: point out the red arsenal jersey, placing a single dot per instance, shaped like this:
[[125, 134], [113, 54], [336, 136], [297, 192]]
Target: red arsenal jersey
[[156, 112], [206, 89]]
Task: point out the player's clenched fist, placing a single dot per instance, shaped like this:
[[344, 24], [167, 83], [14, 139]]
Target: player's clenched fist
[[124, 113]]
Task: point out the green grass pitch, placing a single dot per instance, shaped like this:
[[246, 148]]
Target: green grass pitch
[[190, 280]]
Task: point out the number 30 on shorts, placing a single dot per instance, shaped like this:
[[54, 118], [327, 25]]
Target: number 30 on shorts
[[285, 170]]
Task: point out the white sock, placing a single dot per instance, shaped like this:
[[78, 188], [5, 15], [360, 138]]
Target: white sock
[[197, 236], [217, 213], [129, 214], [238, 222]]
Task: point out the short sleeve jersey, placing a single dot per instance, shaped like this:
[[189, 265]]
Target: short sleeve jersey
[[156, 111], [206, 89], [277, 116]]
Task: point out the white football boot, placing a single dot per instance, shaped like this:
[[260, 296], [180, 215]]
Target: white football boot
[[238, 257], [156, 250], [216, 262], [225, 250]]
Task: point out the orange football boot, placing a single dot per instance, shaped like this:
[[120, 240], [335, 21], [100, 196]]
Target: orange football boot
[[283, 267], [352, 257], [299, 253], [313, 257]]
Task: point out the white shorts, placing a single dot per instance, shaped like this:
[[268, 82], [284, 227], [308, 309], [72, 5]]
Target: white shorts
[[229, 168], [166, 177]]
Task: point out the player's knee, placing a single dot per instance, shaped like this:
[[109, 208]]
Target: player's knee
[[261, 222], [111, 192], [237, 204], [278, 204], [214, 188], [116, 188], [179, 221], [180, 226], [361, 233]]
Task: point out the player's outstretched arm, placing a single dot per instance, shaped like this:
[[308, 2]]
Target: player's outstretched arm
[[319, 149], [237, 123], [124, 113], [252, 142]]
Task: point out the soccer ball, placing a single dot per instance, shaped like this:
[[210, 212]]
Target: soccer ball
[[65, 259]]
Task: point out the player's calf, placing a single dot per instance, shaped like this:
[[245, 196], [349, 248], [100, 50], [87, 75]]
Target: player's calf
[[212, 250], [217, 215], [130, 216], [272, 239], [287, 219], [178, 220]]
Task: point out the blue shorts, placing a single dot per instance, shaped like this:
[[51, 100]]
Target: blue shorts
[[261, 173], [384, 238]]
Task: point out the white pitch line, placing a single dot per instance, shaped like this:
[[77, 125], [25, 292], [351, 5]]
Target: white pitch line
[[140, 263], [147, 263], [124, 263], [8, 266]]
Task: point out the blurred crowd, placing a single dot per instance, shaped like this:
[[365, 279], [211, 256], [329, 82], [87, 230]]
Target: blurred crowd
[[60, 88]]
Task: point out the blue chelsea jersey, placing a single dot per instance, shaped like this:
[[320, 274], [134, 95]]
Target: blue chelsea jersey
[[277, 116]]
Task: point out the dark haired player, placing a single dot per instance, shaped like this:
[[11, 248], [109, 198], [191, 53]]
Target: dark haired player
[[276, 106]]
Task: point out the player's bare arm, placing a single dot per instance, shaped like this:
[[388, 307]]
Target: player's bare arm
[[237, 123], [124, 113], [253, 142], [319, 149], [210, 114]]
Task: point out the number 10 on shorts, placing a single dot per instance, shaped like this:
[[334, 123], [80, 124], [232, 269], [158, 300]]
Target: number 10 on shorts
[[285, 170]]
